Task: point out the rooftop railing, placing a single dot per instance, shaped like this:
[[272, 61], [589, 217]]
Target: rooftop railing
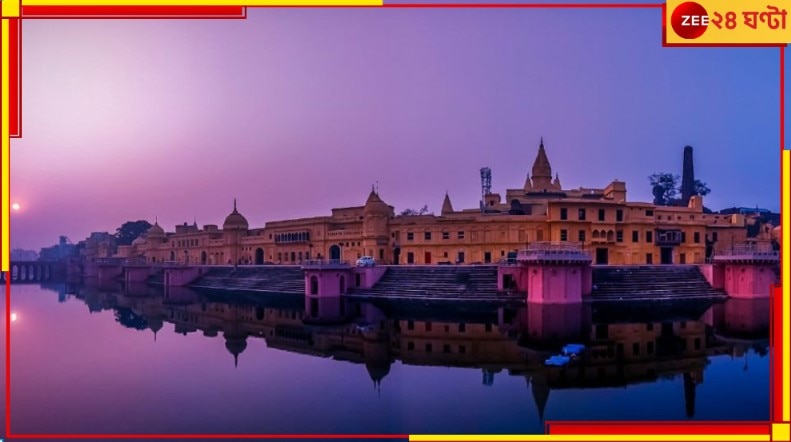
[[554, 251], [748, 252], [325, 263]]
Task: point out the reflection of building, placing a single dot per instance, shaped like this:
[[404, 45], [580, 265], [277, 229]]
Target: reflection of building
[[615, 230]]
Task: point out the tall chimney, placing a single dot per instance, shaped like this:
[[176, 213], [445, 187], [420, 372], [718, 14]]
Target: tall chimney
[[687, 178]]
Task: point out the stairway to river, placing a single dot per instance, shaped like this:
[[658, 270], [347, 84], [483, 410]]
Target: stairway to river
[[273, 279], [666, 282], [436, 282]]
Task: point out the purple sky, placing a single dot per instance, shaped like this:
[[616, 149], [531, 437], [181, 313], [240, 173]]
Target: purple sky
[[296, 111]]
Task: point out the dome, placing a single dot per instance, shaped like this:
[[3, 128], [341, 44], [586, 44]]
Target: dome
[[235, 221], [375, 206], [139, 241], [155, 231], [235, 345]]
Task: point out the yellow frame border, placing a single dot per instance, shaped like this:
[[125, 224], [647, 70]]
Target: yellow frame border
[[780, 430]]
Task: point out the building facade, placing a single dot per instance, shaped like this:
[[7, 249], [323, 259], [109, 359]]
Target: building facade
[[602, 221]]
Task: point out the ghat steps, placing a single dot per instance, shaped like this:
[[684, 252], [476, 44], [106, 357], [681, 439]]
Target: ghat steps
[[274, 279], [665, 282], [436, 282]]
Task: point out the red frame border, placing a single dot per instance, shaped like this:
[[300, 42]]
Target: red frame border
[[239, 12]]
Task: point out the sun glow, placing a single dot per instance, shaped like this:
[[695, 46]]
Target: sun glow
[[15, 207], [13, 317]]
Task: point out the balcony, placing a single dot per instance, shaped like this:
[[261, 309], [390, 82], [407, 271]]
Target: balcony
[[669, 237]]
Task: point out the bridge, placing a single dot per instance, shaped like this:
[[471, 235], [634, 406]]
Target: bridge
[[34, 271]]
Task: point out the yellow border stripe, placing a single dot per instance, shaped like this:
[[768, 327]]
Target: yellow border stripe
[[205, 3], [589, 437], [5, 147], [785, 250]]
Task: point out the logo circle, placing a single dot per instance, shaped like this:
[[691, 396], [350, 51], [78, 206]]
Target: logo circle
[[687, 20]]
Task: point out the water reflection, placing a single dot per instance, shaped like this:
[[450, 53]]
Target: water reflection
[[626, 345]]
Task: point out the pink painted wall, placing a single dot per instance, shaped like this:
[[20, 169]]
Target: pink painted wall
[[587, 280], [369, 276], [182, 276], [137, 274], [748, 281], [329, 282], [518, 273], [554, 284], [109, 272], [715, 274]]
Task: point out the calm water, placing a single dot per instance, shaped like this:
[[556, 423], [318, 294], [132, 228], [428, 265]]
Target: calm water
[[90, 360]]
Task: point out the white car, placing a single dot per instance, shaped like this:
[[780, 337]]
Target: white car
[[366, 261]]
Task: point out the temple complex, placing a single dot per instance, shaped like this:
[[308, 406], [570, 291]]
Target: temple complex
[[602, 221]]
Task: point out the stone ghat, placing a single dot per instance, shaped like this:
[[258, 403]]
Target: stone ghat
[[470, 282], [271, 279], [466, 282], [651, 283]]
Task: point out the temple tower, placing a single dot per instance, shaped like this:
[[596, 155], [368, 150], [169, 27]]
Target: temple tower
[[542, 171]]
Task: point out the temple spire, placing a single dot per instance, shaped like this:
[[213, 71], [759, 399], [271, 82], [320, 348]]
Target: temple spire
[[542, 171], [447, 207]]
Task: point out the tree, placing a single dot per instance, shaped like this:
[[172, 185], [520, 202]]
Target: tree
[[664, 187], [701, 188], [130, 230], [128, 318], [410, 212]]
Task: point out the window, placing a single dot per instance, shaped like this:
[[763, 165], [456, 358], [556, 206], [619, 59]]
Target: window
[[564, 213], [636, 349], [619, 215], [381, 253], [462, 349], [428, 348], [410, 346], [564, 235], [488, 327], [619, 235], [428, 326], [487, 257], [446, 348], [649, 236], [649, 326], [649, 212], [697, 237], [410, 236], [649, 258], [635, 236], [581, 236], [714, 236], [697, 343], [581, 215], [427, 236], [462, 327], [649, 348], [460, 234], [445, 235], [410, 258], [460, 257], [410, 325], [601, 214], [683, 236]]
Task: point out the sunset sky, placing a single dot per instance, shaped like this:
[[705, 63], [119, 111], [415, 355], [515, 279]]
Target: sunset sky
[[297, 111]]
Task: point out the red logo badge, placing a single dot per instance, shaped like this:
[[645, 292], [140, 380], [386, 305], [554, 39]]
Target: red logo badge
[[690, 20]]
